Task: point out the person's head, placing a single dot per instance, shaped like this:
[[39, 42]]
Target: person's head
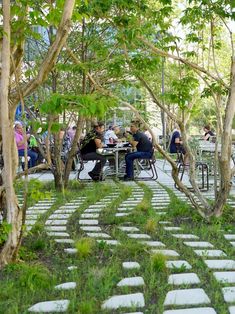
[[18, 127], [99, 127], [207, 128], [135, 125], [116, 129]]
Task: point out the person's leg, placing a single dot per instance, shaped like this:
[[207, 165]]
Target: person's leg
[[96, 171], [33, 157], [130, 159]]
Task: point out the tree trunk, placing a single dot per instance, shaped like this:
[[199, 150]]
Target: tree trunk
[[14, 214], [73, 150], [226, 147], [10, 157]]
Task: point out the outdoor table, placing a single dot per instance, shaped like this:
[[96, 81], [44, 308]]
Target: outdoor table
[[115, 151]]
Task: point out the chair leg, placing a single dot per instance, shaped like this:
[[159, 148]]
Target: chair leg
[[153, 170]]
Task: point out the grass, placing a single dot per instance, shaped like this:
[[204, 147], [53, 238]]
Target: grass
[[85, 247], [43, 263]]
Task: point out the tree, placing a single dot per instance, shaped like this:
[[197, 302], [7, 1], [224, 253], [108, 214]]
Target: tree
[[18, 19]]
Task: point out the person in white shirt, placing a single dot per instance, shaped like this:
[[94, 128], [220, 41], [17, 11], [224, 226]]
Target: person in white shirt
[[110, 135]]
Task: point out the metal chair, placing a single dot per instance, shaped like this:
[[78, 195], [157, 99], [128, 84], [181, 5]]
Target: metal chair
[[149, 165], [203, 172]]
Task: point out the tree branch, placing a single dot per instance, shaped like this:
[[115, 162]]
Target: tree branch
[[54, 50], [182, 60]]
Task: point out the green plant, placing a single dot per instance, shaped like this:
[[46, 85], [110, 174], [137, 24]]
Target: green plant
[[5, 228], [151, 225], [158, 262], [85, 247], [143, 206]]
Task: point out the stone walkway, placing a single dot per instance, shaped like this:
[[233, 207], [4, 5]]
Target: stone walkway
[[185, 295]]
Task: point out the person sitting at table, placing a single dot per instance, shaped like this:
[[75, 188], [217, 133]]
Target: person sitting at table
[[110, 136], [91, 142], [20, 143], [208, 133], [144, 148], [176, 144]]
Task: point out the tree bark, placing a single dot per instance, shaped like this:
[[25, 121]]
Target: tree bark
[[14, 214], [7, 192]]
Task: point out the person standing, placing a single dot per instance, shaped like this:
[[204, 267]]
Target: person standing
[[91, 142], [143, 146]]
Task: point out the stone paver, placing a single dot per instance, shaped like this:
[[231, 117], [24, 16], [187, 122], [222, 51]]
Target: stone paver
[[98, 235], [198, 244], [71, 251], [182, 279], [229, 236], [232, 309], [57, 306], [91, 228], [178, 264], [126, 300], [172, 228], [68, 241], [88, 222], [130, 265], [131, 282], [89, 215], [128, 229], [229, 294], [56, 228], [197, 310], [186, 297], [220, 264], [185, 236], [121, 214], [166, 252], [154, 243], [66, 286], [138, 236], [225, 276], [210, 253], [109, 242]]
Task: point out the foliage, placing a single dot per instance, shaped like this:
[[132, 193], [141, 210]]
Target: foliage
[[158, 262], [151, 225], [5, 229], [85, 247]]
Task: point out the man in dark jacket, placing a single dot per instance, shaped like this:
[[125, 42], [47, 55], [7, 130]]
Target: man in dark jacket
[[144, 148], [91, 142]]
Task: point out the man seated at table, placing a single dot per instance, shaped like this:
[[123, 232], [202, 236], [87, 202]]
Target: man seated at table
[[144, 149], [176, 146], [89, 145]]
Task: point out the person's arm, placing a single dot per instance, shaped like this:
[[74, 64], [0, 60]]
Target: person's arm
[[21, 142], [206, 137], [98, 143], [178, 141]]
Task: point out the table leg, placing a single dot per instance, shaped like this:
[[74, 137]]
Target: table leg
[[116, 162]]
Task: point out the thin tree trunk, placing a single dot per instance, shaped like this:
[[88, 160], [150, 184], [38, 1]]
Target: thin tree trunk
[[14, 214], [73, 150]]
